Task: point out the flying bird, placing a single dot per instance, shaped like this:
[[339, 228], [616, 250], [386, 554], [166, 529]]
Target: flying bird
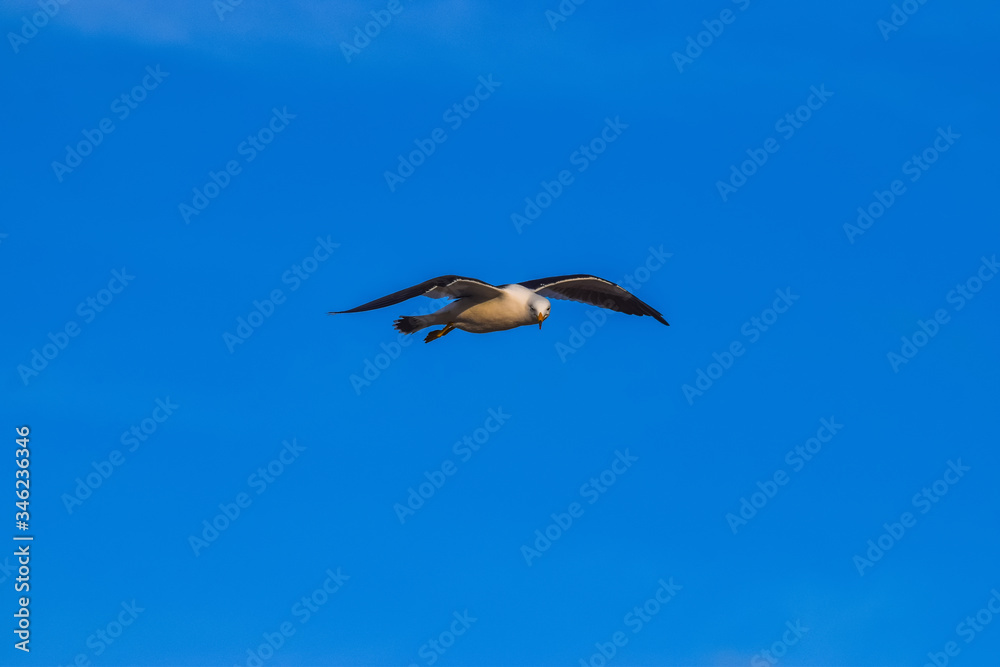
[[480, 307]]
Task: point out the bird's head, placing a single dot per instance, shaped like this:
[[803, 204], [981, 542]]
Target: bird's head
[[539, 308]]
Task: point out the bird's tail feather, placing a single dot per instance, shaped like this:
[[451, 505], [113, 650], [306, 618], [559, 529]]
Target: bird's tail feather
[[408, 324]]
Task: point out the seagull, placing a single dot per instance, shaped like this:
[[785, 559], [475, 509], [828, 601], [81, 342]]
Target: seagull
[[480, 307]]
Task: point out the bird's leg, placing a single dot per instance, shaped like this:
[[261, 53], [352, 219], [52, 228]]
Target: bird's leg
[[434, 335]]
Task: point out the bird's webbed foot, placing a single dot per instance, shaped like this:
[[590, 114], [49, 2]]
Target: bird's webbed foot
[[434, 335]]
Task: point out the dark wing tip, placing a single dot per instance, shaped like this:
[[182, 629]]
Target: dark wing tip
[[646, 309], [653, 312]]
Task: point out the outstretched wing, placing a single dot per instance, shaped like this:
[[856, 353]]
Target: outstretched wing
[[595, 291], [452, 287]]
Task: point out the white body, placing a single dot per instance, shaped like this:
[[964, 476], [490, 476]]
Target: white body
[[518, 306]]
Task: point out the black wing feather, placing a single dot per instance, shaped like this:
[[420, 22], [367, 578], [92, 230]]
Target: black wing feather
[[440, 284], [595, 291]]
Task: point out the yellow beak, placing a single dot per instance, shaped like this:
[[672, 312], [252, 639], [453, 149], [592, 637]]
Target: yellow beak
[[541, 318]]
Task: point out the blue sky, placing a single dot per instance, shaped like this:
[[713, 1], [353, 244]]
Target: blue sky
[[802, 464]]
